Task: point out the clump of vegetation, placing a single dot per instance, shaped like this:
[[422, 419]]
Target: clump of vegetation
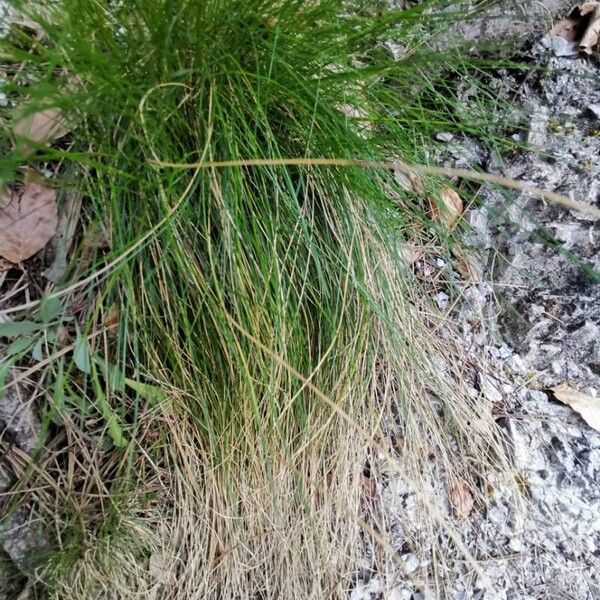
[[242, 336]]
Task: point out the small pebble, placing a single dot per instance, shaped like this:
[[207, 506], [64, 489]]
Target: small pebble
[[482, 582], [496, 515], [489, 388], [441, 299], [411, 563], [562, 47], [515, 545]]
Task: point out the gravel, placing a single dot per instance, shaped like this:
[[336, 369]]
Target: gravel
[[537, 318]]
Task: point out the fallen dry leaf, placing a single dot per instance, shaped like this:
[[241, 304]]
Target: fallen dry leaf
[[569, 28], [449, 208], [111, 322], [28, 221], [96, 238], [42, 127], [581, 27], [410, 253], [409, 180], [566, 29], [592, 33], [461, 499], [587, 406], [467, 264]]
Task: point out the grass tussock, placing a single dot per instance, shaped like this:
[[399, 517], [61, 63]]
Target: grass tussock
[[253, 332]]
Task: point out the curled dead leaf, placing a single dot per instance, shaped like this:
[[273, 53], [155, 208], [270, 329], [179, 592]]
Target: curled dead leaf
[[566, 28], [28, 220], [587, 406], [592, 33], [62, 336], [410, 253], [467, 264], [41, 127], [96, 238], [409, 180], [581, 27], [461, 499], [448, 208]]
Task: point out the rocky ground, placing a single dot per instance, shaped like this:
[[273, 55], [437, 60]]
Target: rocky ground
[[533, 311], [513, 19], [535, 314], [544, 264]]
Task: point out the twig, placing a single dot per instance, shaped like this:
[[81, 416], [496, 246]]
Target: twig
[[399, 165]]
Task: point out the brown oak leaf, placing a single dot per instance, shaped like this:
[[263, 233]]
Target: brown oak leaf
[[28, 220]]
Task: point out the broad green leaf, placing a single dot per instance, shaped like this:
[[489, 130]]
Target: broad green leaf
[[20, 345], [81, 405], [38, 350], [115, 431], [50, 309], [81, 354], [112, 374], [58, 393], [56, 418], [152, 393], [17, 328], [4, 371], [60, 403]]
